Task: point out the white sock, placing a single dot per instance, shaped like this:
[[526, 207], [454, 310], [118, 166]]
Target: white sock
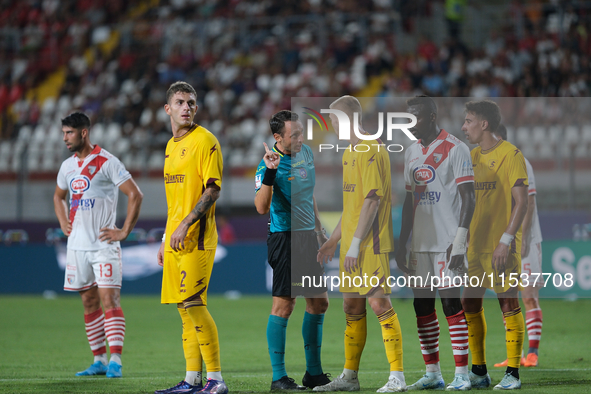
[[116, 357], [398, 375], [434, 368], [214, 376], [462, 370], [193, 377], [102, 358], [349, 374]]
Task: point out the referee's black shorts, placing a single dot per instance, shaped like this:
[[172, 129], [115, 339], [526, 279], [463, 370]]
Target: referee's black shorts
[[293, 260]]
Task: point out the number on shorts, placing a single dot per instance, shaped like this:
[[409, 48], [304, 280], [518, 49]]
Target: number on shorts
[[108, 269], [526, 267], [442, 264], [183, 280]]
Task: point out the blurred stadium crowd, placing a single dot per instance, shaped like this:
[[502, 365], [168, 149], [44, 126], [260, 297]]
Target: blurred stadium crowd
[[114, 60]]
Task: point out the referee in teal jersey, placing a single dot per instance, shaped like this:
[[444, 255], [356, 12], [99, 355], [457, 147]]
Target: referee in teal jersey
[[284, 185]]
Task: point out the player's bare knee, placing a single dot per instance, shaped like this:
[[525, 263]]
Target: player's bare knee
[[509, 300], [379, 305], [530, 303], [317, 306], [90, 300], [110, 298], [354, 306], [471, 305], [283, 306]]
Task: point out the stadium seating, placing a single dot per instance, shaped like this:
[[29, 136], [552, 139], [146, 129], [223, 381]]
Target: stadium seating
[[245, 74]]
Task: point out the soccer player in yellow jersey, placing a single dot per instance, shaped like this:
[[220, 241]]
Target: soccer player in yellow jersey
[[192, 178], [365, 231], [500, 182]]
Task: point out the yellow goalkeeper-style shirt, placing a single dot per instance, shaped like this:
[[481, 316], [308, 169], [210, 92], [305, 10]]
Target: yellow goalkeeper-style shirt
[[366, 174], [192, 162], [496, 172]]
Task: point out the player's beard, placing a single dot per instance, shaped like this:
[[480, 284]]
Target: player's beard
[[76, 147]]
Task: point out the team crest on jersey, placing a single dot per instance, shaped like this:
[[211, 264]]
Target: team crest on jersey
[[437, 157], [71, 279], [91, 170], [491, 164], [183, 152], [79, 184], [303, 173], [423, 174]]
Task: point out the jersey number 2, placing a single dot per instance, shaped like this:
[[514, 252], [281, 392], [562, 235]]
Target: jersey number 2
[[182, 281]]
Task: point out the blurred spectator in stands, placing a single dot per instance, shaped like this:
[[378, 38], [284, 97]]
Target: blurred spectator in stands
[[226, 232]]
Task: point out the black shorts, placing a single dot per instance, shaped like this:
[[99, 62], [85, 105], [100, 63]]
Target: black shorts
[[287, 282]]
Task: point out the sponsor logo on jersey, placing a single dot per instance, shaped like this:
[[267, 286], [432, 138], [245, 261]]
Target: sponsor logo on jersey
[[423, 174], [82, 204], [349, 187], [79, 184], [303, 173], [485, 185], [258, 181], [174, 178], [299, 163], [427, 198]]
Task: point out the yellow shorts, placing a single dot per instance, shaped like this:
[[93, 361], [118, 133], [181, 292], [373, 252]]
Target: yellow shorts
[[373, 275], [480, 266], [186, 276]]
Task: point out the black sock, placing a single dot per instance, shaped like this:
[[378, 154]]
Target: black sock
[[479, 370], [513, 371]]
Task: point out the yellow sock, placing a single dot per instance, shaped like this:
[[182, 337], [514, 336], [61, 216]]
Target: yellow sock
[[207, 335], [190, 343], [392, 338], [514, 335], [355, 336], [477, 336]]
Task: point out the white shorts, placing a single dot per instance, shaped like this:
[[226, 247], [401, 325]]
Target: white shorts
[[532, 265], [429, 265], [86, 269]]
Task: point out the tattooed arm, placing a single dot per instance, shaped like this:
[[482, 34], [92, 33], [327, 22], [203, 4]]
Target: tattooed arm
[[210, 195]]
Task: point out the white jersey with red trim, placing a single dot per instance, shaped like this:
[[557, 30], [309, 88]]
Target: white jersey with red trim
[[432, 174], [536, 231], [93, 186]]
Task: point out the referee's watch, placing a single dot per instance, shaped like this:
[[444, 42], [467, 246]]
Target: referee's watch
[[323, 231]]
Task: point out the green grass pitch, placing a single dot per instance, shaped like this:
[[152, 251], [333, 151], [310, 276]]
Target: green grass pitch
[[42, 345]]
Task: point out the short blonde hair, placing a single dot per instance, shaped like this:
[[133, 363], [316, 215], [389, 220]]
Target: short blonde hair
[[349, 105]]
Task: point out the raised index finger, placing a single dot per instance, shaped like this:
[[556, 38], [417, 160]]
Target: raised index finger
[[266, 147]]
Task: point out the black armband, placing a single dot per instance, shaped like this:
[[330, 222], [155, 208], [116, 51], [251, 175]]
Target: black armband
[[269, 177]]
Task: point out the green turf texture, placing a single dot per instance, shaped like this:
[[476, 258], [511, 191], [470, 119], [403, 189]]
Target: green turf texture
[[43, 343]]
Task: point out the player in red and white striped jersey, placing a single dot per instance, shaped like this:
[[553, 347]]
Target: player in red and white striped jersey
[[92, 176], [531, 265], [438, 209]]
